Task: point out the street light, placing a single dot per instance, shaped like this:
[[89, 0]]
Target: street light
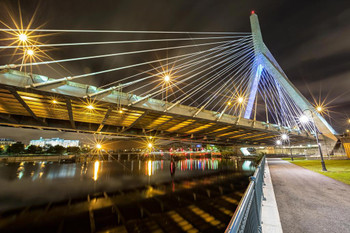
[[319, 109], [30, 52], [23, 37], [304, 119], [166, 78], [90, 106], [285, 137]]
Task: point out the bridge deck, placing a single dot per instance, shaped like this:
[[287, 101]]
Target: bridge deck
[[26, 107]]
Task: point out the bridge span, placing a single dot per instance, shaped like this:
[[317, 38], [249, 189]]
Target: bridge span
[[64, 108]]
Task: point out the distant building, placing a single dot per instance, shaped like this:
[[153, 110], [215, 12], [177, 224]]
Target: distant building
[[6, 141], [54, 142]]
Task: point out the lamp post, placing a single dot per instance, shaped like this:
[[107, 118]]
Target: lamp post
[[305, 119], [285, 137], [279, 143]]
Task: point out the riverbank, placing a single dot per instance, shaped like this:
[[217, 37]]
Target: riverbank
[[36, 158]]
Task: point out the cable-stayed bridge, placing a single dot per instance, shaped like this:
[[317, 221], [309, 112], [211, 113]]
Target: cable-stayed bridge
[[219, 87]]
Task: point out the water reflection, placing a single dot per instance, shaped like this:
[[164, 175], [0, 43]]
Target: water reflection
[[76, 179], [149, 168], [101, 171], [248, 166], [96, 168]]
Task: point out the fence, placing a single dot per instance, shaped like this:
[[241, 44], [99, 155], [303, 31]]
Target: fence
[[247, 217]]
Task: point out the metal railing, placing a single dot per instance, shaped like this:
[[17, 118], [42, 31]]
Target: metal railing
[[247, 217]]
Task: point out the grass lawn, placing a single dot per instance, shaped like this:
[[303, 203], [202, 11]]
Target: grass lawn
[[337, 169]]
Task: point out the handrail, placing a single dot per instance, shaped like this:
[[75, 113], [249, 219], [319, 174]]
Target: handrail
[[243, 211]]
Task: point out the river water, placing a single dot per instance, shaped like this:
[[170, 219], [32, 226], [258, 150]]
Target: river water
[[34, 182], [128, 186]]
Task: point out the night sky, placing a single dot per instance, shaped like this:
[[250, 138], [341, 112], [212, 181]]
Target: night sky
[[310, 39]]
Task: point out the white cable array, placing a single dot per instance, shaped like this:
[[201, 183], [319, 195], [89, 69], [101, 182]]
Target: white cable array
[[108, 55], [197, 60], [118, 42], [119, 31]]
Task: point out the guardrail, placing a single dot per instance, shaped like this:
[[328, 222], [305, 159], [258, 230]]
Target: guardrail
[[247, 217]]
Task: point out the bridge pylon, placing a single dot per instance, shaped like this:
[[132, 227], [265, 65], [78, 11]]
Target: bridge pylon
[[265, 61]]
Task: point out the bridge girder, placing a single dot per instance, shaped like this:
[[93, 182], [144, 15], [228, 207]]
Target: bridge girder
[[106, 120]]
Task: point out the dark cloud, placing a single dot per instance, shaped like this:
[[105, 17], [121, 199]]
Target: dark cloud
[[310, 39]]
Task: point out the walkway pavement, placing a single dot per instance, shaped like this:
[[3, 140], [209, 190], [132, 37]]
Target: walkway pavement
[[309, 202], [270, 217]]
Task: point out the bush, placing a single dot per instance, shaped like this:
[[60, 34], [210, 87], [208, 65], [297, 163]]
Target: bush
[[16, 148], [73, 150], [34, 149], [56, 149]]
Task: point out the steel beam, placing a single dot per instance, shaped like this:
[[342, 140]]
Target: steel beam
[[135, 122], [110, 108], [8, 117], [25, 105], [70, 112]]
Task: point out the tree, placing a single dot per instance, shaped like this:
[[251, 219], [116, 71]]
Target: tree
[[16, 148], [59, 149], [50, 150], [73, 150], [33, 149]]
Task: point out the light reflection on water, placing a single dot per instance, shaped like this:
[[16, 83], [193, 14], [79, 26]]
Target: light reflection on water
[[30, 182], [96, 168], [102, 169]]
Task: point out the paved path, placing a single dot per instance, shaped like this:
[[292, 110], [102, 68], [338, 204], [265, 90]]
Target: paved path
[[309, 202], [270, 217]]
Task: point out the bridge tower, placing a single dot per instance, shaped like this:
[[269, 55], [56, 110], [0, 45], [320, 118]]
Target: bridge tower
[[265, 60]]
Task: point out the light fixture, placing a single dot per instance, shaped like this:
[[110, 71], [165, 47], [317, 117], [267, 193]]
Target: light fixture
[[30, 52], [166, 78], [229, 103], [240, 99], [319, 108], [278, 142], [90, 106], [98, 146], [284, 136], [150, 145], [23, 37], [303, 119], [54, 101]]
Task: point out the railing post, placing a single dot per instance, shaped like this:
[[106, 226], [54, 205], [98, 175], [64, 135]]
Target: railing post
[[245, 218], [256, 197]]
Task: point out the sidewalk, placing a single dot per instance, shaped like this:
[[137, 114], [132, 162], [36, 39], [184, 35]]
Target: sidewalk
[[270, 217], [309, 202]]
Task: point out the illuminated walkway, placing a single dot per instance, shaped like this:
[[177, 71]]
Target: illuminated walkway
[[308, 201]]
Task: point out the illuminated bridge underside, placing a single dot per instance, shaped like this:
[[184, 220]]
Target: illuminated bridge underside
[[21, 107]]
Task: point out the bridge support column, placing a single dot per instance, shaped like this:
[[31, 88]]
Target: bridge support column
[[264, 58], [257, 67], [253, 91]]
